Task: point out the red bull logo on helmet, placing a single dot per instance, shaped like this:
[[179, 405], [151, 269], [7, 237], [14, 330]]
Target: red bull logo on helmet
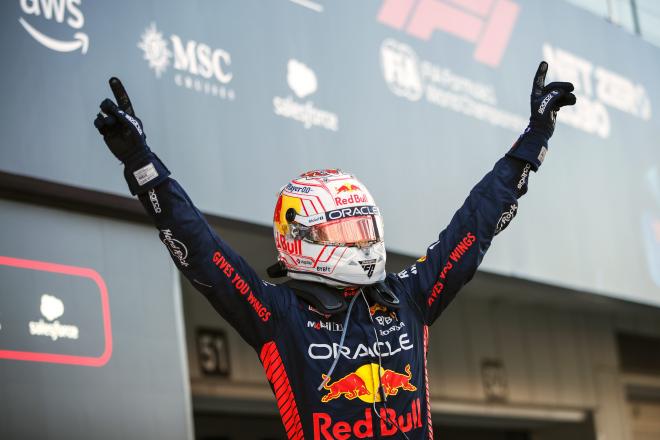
[[293, 247], [348, 187], [353, 198], [356, 195], [366, 384]]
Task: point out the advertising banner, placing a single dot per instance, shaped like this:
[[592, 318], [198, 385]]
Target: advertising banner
[[418, 98]]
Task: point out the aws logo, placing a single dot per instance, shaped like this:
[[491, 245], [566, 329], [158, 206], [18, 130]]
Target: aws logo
[[60, 11], [365, 384]]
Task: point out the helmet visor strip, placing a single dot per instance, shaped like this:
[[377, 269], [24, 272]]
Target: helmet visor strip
[[351, 231]]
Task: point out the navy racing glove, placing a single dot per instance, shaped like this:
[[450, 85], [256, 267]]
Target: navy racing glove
[[123, 134], [545, 101]]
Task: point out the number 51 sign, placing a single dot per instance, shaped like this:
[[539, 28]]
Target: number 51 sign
[[213, 352]]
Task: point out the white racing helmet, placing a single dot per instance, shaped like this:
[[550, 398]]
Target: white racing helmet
[[328, 229]]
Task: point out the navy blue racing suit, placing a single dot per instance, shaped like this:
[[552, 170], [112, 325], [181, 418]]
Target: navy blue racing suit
[[297, 344]]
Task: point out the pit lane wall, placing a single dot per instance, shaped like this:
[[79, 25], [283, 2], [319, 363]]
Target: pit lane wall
[[418, 98]]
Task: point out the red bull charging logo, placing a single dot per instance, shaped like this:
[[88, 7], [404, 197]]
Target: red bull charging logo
[[348, 187], [365, 384]]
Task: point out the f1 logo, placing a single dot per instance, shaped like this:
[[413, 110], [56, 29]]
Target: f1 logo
[[486, 23]]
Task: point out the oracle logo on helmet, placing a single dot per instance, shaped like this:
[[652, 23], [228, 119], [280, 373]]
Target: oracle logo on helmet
[[352, 212]]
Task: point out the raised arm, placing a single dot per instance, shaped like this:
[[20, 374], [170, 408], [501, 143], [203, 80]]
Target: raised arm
[[450, 262], [249, 304]]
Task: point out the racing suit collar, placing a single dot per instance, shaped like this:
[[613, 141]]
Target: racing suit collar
[[331, 301]]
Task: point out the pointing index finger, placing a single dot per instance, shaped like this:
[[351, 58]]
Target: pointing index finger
[[539, 79], [123, 101]]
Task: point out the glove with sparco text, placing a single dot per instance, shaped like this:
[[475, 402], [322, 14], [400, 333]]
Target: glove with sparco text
[[532, 145], [123, 134]]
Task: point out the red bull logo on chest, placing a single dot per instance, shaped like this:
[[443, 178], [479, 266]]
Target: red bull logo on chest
[[366, 383], [387, 423]]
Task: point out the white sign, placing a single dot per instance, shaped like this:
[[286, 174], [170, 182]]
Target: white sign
[[52, 308], [61, 11], [302, 81], [199, 66]]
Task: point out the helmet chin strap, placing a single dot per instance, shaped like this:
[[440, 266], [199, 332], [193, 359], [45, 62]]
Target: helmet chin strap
[[277, 270]]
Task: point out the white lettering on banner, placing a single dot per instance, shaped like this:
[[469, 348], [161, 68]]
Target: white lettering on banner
[[200, 59], [596, 88], [52, 308], [53, 330], [327, 351], [622, 94], [302, 81], [61, 11], [400, 69], [412, 79], [199, 66]]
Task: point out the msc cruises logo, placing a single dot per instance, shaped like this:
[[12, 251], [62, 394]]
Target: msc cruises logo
[[198, 66]]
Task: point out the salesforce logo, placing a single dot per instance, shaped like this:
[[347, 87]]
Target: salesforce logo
[[52, 308], [302, 80]]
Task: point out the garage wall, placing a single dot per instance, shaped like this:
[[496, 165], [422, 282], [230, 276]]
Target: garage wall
[[124, 374]]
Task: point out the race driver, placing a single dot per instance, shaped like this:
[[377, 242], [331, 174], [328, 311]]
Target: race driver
[[343, 343]]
